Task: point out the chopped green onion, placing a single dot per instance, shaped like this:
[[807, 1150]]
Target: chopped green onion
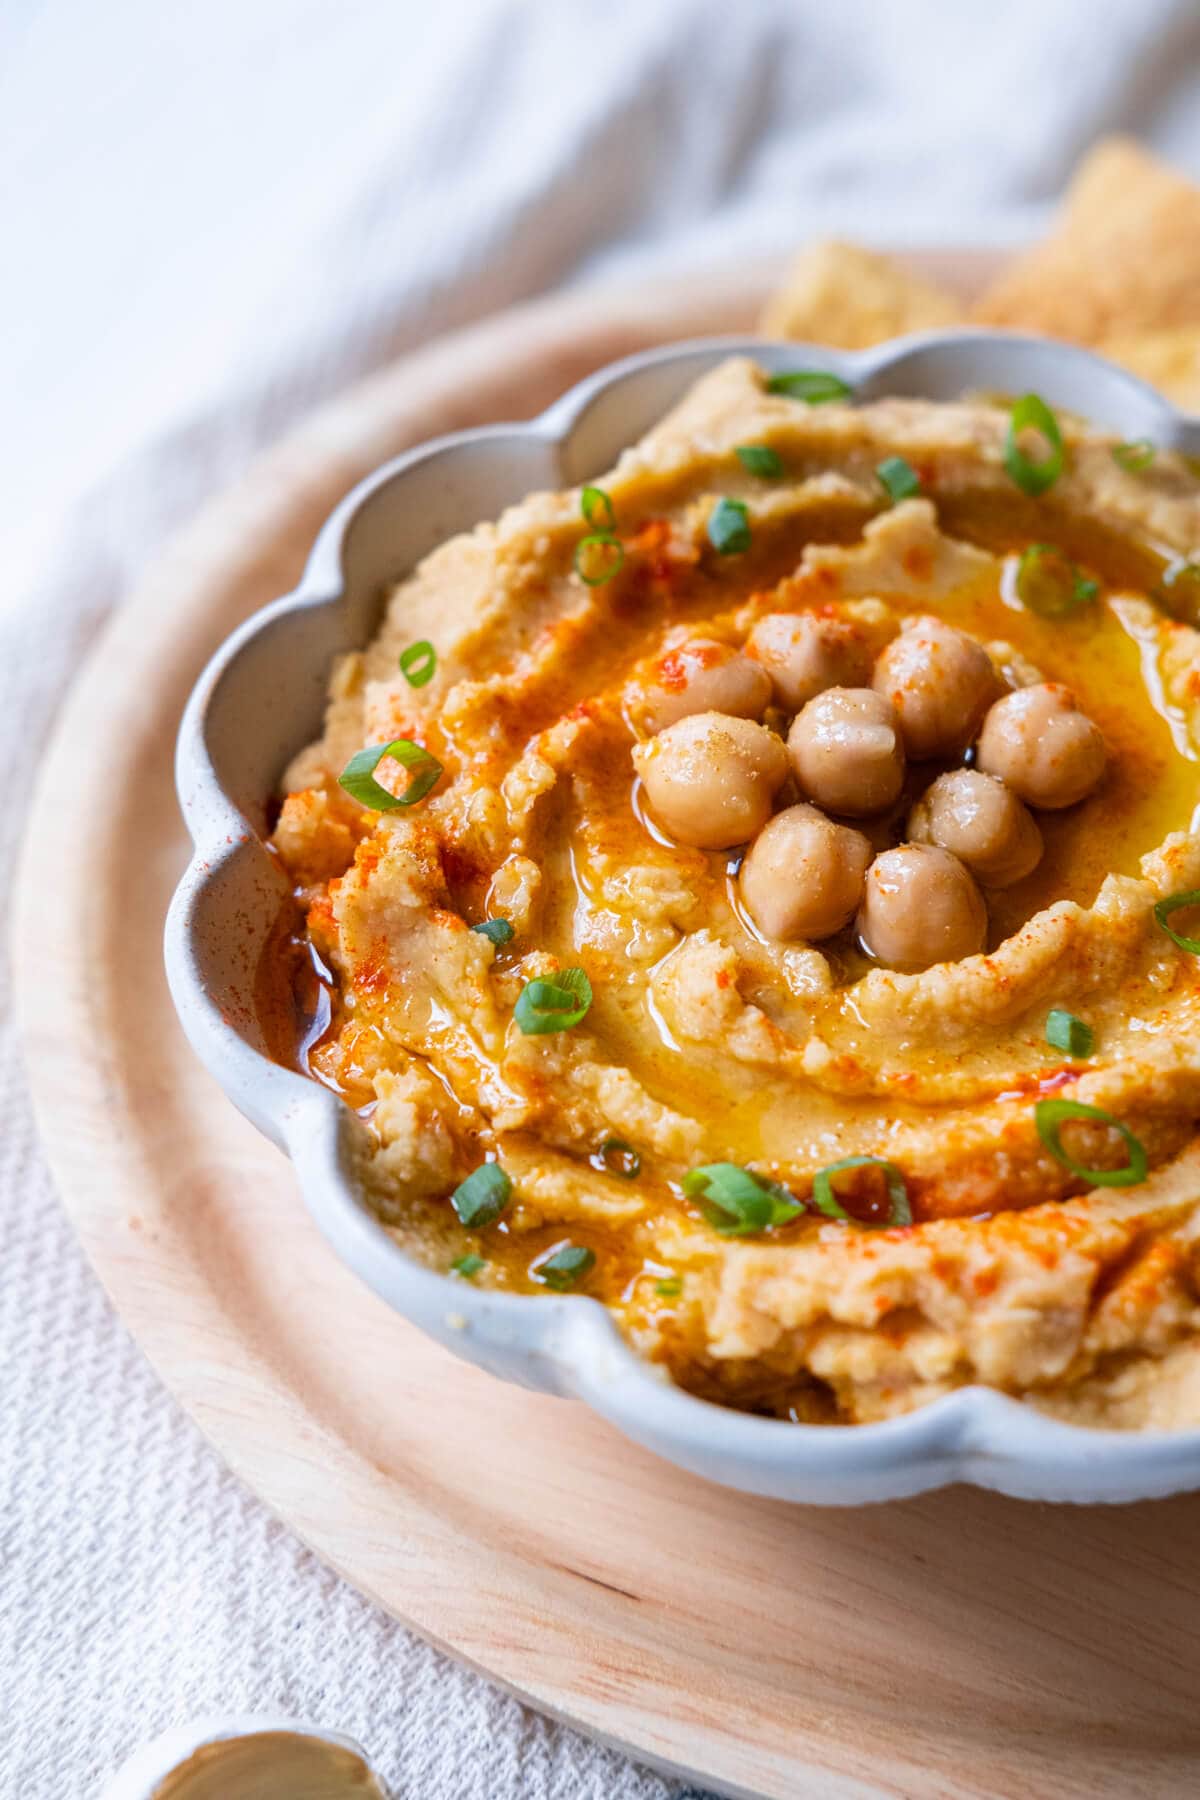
[[1050, 585], [598, 558], [468, 1266], [598, 509], [760, 459], [824, 1199], [1031, 413], [1065, 1032], [1134, 456], [670, 1288], [816, 386], [1051, 1115], [553, 1003], [899, 478], [737, 1202], [562, 1268], [418, 663], [482, 1197], [729, 527], [1179, 590], [616, 1157], [497, 931], [1172, 904], [358, 776]]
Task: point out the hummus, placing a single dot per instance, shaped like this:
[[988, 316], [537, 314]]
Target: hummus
[[654, 1131]]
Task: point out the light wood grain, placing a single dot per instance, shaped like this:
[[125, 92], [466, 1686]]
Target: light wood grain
[[955, 1646]]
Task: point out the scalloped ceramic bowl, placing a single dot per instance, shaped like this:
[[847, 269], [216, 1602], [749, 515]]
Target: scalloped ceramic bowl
[[261, 698]]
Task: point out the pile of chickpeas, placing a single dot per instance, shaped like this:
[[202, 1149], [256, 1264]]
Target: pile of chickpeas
[[712, 771]]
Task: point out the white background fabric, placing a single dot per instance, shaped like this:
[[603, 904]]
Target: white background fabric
[[211, 217]]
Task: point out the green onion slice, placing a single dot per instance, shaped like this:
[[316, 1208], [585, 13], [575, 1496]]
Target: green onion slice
[[598, 558], [1049, 584], [825, 1200], [729, 527], [563, 1268], [760, 459], [1179, 590], [468, 1266], [497, 931], [669, 1288], [1065, 1032], [358, 776], [1032, 414], [899, 478], [598, 509], [1134, 455], [737, 1202], [616, 1157], [553, 1003], [816, 386], [418, 663], [1172, 904], [1051, 1115], [482, 1197]]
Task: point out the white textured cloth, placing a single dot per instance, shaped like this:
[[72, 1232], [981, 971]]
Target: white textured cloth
[[210, 218]]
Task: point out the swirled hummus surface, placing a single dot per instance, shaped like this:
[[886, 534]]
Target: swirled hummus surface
[[1032, 1261]]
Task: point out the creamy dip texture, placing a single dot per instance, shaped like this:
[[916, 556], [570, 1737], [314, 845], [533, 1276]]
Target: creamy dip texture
[[792, 822]]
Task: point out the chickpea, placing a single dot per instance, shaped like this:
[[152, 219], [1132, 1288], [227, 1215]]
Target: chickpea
[[700, 676], [980, 821], [846, 751], [1039, 742], [941, 682], [710, 779], [803, 875], [805, 653], [920, 907]]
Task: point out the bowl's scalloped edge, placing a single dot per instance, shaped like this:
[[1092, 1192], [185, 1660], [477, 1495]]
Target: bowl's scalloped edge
[[571, 1345]]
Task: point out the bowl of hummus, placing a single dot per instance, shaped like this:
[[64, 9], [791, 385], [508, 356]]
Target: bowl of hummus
[[706, 887]]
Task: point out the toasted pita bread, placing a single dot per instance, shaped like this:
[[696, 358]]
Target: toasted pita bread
[[1168, 360], [841, 295], [1125, 258]]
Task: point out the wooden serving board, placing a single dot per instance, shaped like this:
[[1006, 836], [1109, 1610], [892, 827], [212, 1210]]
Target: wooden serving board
[[958, 1646]]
